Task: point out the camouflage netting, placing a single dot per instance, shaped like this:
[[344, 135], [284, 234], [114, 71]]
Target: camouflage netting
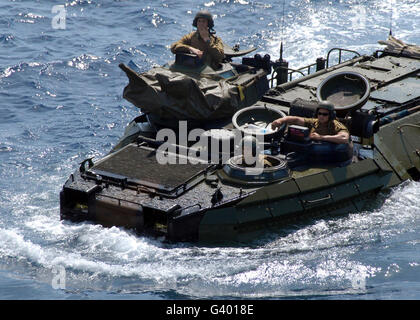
[[399, 47], [173, 95]]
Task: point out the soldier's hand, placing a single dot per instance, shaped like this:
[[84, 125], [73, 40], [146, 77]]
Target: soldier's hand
[[276, 124], [315, 136], [204, 33], [197, 52]]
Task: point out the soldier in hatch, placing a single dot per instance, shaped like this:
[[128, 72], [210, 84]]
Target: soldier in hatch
[[250, 153], [323, 128], [203, 42]]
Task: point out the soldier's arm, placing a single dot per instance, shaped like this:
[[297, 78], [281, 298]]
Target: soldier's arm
[[289, 120], [182, 45], [340, 137]]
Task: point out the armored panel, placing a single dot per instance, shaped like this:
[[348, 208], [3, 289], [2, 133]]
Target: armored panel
[[141, 165], [312, 182], [315, 81], [271, 193], [399, 143], [387, 69], [370, 183], [352, 171], [344, 191], [382, 70], [371, 105], [384, 165], [285, 206], [400, 91], [218, 225], [395, 66], [316, 199], [294, 93], [253, 213]]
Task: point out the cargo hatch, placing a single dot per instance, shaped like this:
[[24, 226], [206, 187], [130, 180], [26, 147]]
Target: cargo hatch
[[138, 166]]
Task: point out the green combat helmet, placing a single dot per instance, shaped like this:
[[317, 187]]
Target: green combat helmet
[[206, 15], [327, 105]]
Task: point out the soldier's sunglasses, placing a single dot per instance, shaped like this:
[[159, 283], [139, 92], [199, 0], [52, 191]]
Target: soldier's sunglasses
[[323, 113]]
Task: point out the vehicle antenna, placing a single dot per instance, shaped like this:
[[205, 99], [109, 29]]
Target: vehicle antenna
[[281, 51], [390, 17], [282, 34], [281, 66]]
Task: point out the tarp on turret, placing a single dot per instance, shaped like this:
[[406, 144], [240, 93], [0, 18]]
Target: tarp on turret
[[397, 46], [174, 95]]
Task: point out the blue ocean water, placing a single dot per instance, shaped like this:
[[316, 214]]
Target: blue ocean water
[[61, 102]]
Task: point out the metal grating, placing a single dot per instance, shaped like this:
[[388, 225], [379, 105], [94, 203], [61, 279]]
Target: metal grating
[[140, 164]]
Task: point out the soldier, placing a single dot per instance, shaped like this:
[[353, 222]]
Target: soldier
[[250, 153], [323, 128], [203, 42]]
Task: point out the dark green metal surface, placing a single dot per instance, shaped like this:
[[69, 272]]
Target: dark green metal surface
[[212, 206]]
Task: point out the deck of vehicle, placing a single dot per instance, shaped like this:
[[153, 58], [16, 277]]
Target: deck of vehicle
[[201, 201]]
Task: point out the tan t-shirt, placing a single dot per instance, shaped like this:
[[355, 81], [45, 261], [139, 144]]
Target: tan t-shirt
[[331, 128]]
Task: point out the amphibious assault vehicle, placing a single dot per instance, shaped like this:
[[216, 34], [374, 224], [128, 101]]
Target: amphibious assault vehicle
[[165, 179]]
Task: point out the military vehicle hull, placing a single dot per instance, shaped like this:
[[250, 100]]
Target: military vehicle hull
[[203, 201]]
